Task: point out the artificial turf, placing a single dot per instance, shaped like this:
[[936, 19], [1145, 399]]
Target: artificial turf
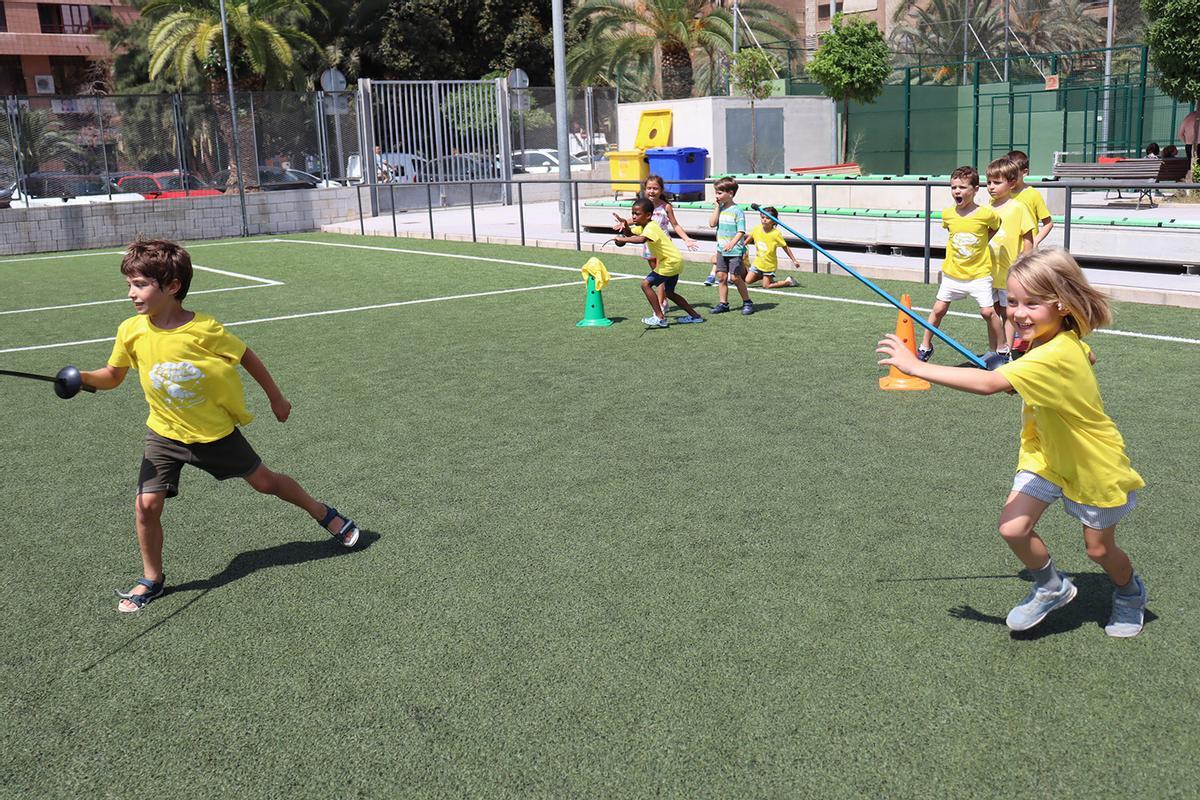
[[713, 560]]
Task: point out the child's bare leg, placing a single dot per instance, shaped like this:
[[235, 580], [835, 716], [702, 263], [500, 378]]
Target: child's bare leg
[[740, 283], [722, 287], [1102, 548], [662, 296], [1021, 513], [287, 488], [678, 300], [995, 326], [754, 276], [652, 297], [148, 519], [774, 284], [940, 307]]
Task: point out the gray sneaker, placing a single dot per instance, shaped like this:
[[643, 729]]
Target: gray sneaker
[[687, 318], [1038, 603], [1128, 613], [720, 308], [655, 322], [747, 308]]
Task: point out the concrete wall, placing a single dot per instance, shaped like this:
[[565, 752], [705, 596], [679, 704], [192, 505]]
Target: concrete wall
[[700, 122], [48, 228]]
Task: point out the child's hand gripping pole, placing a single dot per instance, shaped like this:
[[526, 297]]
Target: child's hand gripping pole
[[974, 359]]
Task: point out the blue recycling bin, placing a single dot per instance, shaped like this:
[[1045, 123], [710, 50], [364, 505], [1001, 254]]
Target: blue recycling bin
[[680, 164]]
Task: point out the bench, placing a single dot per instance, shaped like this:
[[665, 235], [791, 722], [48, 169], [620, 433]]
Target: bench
[[1153, 170]]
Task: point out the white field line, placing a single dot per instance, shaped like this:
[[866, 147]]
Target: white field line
[[53, 257], [259, 283], [879, 304], [324, 313]]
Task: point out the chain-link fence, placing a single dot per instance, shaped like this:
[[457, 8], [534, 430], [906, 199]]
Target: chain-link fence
[[135, 146]]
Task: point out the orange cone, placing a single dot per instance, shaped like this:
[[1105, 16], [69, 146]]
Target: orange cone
[[895, 379]]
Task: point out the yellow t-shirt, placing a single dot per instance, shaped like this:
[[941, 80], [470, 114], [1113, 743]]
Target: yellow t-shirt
[[1032, 199], [1015, 222], [967, 253], [1066, 437], [668, 259], [766, 259], [189, 376]]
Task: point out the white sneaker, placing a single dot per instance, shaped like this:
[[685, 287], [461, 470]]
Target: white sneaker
[[1038, 603], [655, 322], [1128, 613], [792, 281]]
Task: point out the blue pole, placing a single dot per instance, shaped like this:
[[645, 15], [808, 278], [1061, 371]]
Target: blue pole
[[974, 359]]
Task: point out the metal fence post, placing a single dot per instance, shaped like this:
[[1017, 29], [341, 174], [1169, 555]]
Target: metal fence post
[[392, 203], [928, 225], [908, 120], [521, 210], [429, 206], [104, 148], [589, 112], [1067, 221], [471, 200], [575, 219], [362, 225], [814, 223], [254, 137], [13, 111]]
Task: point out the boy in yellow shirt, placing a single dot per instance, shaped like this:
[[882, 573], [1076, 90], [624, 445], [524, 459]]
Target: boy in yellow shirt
[[666, 264], [1014, 239], [767, 239], [187, 364], [1032, 199], [967, 270]]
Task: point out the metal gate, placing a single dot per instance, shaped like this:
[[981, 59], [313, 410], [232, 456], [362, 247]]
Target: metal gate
[[440, 132]]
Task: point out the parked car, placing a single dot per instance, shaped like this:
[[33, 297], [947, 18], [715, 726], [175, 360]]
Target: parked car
[[59, 188], [461, 167], [166, 185], [308, 177], [274, 179], [543, 161]]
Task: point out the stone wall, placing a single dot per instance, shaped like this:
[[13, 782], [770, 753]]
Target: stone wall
[[43, 229]]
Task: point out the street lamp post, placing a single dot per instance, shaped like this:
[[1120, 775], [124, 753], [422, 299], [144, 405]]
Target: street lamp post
[[237, 151]]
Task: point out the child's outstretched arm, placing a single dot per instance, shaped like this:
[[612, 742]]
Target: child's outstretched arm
[[107, 377], [788, 251], [631, 239], [621, 223], [675, 226], [966, 379], [280, 406]]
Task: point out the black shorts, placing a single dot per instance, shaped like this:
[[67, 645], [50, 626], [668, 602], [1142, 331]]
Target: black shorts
[[228, 457], [668, 282], [734, 265]]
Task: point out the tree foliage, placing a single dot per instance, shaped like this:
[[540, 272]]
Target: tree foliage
[[851, 63], [1173, 34], [655, 49]]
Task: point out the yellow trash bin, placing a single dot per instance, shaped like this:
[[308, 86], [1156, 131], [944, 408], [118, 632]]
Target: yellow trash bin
[[627, 168]]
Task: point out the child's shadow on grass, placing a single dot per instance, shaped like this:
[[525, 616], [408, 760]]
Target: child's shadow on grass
[[280, 555], [735, 306], [1092, 604]]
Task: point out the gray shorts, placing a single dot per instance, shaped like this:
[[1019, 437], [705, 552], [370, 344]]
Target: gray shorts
[[163, 459], [1099, 518], [735, 265]]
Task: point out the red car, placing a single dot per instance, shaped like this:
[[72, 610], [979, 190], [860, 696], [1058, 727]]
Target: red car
[[166, 185]]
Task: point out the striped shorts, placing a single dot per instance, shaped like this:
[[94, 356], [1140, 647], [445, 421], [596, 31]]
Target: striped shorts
[[1093, 517]]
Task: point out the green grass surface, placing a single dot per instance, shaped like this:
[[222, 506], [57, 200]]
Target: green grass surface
[[707, 561]]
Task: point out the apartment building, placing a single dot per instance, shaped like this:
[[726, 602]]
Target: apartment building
[[50, 48]]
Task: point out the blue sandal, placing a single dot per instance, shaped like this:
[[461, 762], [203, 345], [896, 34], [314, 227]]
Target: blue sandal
[[153, 590], [348, 535]]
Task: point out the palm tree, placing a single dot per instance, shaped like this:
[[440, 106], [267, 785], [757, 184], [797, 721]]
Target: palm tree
[[263, 45], [627, 42], [263, 42]]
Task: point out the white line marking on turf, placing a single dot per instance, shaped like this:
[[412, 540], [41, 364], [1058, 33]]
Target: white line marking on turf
[[324, 313], [877, 303], [53, 256], [260, 283]]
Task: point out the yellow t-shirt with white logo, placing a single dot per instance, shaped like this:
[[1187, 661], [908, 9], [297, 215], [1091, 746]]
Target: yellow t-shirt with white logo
[[1015, 222], [189, 375], [766, 259], [666, 254], [1033, 201], [967, 255], [1066, 437]]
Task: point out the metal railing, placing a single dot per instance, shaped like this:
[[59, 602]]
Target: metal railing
[[1067, 187]]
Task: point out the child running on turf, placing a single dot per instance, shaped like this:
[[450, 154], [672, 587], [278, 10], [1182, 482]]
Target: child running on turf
[[1070, 448], [1014, 239], [1033, 201], [766, 238], [730, 221], [665, 268], [187, 363], [967, 270], [654, 190]]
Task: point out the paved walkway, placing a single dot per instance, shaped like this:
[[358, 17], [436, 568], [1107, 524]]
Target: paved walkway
[[503, 225]]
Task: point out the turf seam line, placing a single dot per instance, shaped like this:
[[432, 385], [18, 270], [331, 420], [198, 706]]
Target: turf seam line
[[260, 283], [324, 313], [122, 252], [781, 293]]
